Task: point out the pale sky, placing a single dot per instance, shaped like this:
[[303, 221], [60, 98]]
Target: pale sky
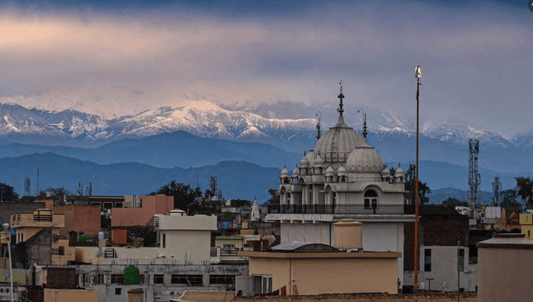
[[120, 57]]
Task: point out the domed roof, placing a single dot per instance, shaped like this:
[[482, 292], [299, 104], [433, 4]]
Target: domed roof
[[295, 172], [329, 171], [398, 172], [385, 172], [342, 171], [365, 159], [337, 143], [304, 162], [284, 173]]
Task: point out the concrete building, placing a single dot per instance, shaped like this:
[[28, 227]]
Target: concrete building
[[186, 239], [344, 177], [301, 268], [526, 225], [28, 225], [440, 229], [505, 268]]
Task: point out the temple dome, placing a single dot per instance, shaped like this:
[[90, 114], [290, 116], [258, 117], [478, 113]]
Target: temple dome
[[337, 143], [296, 172], [365, 159], [284, 173]]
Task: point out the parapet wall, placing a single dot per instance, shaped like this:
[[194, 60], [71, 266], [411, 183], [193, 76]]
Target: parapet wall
[[436, 297]]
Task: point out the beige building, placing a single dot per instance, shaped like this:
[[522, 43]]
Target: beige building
[[28, 225], [185, 239], [505, 266], [301, 268]]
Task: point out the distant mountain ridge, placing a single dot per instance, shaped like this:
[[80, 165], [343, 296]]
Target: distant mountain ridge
[[391, 135]]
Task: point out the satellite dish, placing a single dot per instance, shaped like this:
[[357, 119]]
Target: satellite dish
[[55, 237]]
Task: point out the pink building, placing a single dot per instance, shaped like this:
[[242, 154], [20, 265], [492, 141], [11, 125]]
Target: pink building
[[124, 218]]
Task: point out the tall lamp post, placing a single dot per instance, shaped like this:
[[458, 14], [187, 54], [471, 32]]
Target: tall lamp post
[[8, 239], [418, 75]]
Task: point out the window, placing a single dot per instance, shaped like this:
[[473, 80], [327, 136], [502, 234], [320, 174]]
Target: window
[[61, 251], [371, 199], [119, 205], [107, 206], [118, 291], [221, 279], [266, 285], [159, 279], [190, 280], [117, 278], [427, 260], [164, 240], [472, 254]]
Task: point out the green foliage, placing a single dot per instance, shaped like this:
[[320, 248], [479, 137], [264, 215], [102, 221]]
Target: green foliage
[[525, 190], [509, 198], [423, 190], [453, 202], [185, 198], [7, 193]]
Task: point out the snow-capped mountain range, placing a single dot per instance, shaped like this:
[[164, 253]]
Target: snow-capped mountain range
[[205, 119]]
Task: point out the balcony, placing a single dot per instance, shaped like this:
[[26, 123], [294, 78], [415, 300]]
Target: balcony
[[341, 209]]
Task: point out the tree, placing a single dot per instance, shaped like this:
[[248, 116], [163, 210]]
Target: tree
[[274, 196], [213, 188], [7, 193], [453, 202], [423, 190], [525, 190], [185, 198], [509, 198]]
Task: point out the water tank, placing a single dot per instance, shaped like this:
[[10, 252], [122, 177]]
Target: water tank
[[82, 238], [348, 234], [131, 275], [226, 225], [101, 235]]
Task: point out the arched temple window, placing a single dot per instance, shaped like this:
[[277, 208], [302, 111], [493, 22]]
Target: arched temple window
[[371, 199]]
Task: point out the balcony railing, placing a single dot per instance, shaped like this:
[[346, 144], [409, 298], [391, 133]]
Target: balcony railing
[[340, 209], [42, 217]]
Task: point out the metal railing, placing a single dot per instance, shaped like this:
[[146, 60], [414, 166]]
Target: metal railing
[[340, 209]]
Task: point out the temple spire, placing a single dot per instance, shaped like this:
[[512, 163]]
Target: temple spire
[[341, 96]]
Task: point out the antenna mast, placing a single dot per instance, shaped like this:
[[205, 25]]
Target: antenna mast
[[474, 179], [341, 96], [496, 189]]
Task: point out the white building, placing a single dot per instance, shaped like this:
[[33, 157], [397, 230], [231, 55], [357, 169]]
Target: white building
[[343, 177]]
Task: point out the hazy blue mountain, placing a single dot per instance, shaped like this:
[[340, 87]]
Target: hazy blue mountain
[[178, 149], [236, 179]]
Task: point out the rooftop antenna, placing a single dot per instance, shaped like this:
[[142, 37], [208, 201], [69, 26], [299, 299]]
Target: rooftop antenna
[[496, 188], [474, 179], [319, 115], [341, 96]]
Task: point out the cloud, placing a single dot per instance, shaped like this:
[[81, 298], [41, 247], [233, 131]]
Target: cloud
[[472, 57]]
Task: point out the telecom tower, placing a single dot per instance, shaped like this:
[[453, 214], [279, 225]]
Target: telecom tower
[[496, 189], [474, 179]]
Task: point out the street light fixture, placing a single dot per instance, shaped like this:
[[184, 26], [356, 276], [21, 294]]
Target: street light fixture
[[418, 75], [5, 226]]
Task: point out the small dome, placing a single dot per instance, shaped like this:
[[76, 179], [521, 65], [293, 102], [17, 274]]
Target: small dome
[[341, 138], [329, 171], [342, 171], [284, 173], [295, 172], [365, 159], [319, 161], [399, 172], [304, 163], [385, 173]]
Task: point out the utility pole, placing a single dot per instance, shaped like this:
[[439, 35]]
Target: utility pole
[[458, 267], [418, 75]]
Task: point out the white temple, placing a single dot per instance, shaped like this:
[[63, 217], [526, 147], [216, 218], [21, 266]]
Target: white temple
[[343, 177]]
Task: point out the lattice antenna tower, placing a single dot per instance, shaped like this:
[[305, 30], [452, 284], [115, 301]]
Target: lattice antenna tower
[[89, 189], [496, 190], [474, 179]]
